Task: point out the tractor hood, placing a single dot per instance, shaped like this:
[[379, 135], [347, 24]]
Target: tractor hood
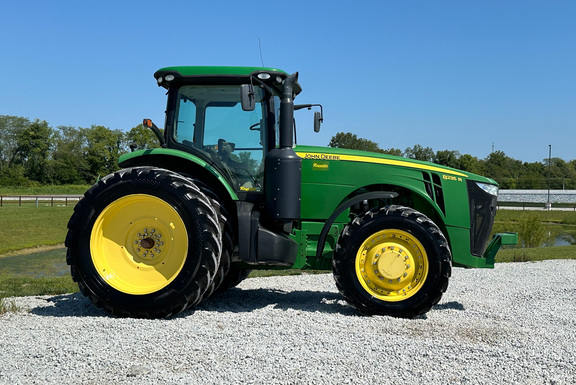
[[346, 155]]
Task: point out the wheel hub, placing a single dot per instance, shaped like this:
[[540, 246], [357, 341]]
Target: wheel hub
[[148, 243], [391, 265]]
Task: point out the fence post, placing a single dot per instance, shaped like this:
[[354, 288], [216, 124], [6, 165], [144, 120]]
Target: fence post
[[19, 201]]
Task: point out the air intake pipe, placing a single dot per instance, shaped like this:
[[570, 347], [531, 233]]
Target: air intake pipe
[[283, 168]]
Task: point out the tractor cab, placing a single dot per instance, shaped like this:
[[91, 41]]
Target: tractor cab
[[231, 121]]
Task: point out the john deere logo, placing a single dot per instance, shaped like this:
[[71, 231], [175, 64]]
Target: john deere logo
[[318, 156]]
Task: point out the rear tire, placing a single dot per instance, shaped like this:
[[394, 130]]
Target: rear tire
[[392, 261], [227, 241], [144, 243]]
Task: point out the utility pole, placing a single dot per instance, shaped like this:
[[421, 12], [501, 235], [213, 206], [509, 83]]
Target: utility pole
[[548, 204]]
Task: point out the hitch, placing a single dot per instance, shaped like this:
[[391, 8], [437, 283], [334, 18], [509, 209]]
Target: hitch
[[499, 239]]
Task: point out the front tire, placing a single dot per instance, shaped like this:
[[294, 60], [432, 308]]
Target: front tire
[[143, 242], [392, 261]]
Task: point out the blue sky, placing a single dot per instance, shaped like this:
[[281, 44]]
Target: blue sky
[[451, 75]]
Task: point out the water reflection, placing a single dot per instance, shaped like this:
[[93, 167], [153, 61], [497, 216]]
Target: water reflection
[[559, 235]]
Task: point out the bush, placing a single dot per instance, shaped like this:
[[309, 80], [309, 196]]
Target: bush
[[14, 176], [531, 231]]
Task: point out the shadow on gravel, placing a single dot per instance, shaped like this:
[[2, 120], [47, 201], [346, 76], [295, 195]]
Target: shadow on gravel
[[242, 300], [68, 305], [234, 300], [453, 305]]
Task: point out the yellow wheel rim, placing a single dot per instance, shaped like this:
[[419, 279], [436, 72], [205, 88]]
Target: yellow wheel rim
[[391, 265], [139, 244]]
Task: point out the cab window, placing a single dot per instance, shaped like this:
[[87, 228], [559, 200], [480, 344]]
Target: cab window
[[210, 119]]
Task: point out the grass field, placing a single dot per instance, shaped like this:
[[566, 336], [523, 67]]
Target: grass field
[[29, 227], [558, 217]]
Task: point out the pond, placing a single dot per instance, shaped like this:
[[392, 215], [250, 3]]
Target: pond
[[560, 235]]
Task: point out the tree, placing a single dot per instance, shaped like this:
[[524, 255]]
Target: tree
[[143, 137], [447, 158], [104, 147], [10, 127], [69, 164], [352, 142], [503, 169], [393, 151], [470, 163], [532, 176], [420, 153], [33, 148]]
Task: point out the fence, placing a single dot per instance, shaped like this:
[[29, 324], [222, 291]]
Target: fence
[[48, 200], [536, 206], [537, 199]]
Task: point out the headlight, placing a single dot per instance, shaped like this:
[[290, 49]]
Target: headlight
[[489, 188]]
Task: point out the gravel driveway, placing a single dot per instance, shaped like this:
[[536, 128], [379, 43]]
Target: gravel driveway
[[515, 324]]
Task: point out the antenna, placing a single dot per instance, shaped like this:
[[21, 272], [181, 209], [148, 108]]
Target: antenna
[[260, 48]]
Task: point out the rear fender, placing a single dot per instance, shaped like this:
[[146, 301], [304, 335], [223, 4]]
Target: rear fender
[[181, 162]]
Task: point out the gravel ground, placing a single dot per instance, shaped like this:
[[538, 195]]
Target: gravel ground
[[515, 324]]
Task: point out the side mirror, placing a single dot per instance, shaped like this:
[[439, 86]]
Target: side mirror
[[317, 121], [318, 115], [248, 97]]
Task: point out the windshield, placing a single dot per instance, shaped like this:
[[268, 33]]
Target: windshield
[[211, 119]]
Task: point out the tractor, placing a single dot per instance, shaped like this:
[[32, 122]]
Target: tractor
[[229, 191]]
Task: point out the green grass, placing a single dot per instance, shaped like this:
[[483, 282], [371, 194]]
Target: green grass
[[29, 226], [535, 254], [560, 217], [23, 287]]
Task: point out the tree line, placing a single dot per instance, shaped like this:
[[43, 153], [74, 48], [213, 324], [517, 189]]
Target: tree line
[[33, 153], [508, 172]]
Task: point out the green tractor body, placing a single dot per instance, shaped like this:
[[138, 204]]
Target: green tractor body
[[229, 191]]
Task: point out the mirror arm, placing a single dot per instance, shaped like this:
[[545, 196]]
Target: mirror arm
[[150, 124], [309, 106], [318, 116]]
